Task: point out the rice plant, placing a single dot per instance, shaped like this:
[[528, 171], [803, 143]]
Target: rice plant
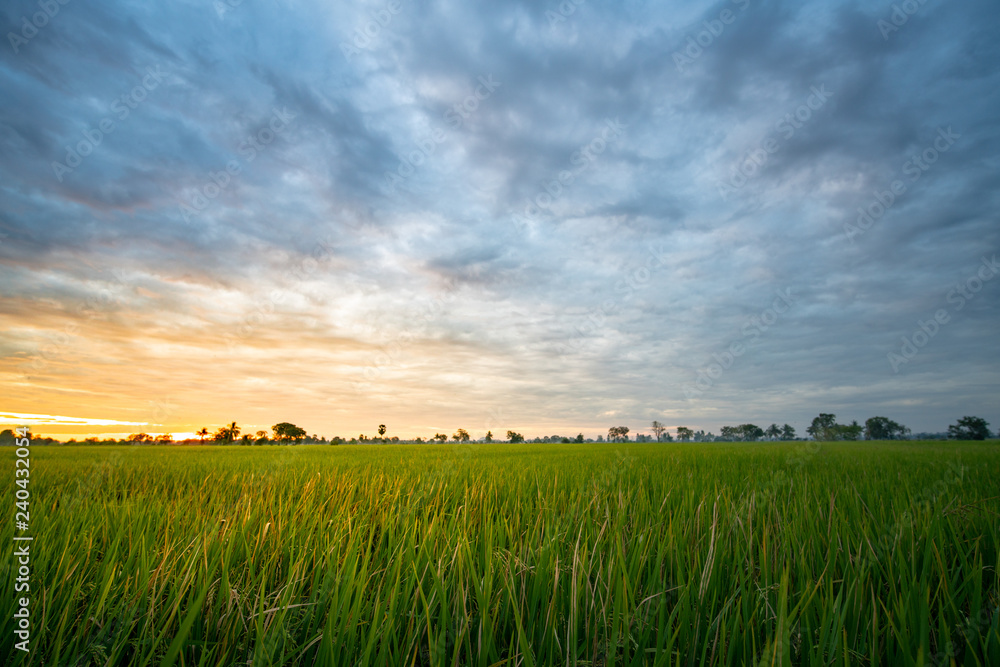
[[580, 554]]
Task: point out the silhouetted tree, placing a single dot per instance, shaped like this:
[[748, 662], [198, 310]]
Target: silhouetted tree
[[850, 432], [822, 426], [882, 428], [684, 434], [618, 434], [461, 435], [658, 430], [286, 432], [515, 437], [969, 428]]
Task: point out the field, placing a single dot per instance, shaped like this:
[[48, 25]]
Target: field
[[582, 554]]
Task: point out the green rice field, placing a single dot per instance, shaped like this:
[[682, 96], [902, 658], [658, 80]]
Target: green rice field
[[602, 554]]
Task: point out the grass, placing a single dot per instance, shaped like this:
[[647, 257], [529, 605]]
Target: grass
[[596, 554]]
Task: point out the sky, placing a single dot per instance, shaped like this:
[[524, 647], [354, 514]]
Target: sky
[[543, 217]]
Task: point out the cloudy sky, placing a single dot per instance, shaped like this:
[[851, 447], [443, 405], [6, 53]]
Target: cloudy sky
[[543, 217]]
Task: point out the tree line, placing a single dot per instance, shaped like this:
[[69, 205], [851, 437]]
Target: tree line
[[824, 427]]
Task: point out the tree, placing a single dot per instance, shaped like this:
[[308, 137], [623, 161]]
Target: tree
[[658, 430], [203, 433], [822, 426], [618, 434], [787, 432], [381, 430], [749, 432], [164, 438], [851, 432], [227, 433], [489, 436], [969, 428], [773, 432], [139, 438], [579, 437], [882, 428], [684, 434], [728, 433], [261, 436], [515, 437], [461, 435], [286, 432], [441, 437]]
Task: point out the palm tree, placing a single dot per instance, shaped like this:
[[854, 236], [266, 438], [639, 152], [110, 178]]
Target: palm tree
[[203, 433], [233, 432]]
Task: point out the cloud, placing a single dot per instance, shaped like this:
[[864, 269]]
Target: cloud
[[308, 289], [57, 420]]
